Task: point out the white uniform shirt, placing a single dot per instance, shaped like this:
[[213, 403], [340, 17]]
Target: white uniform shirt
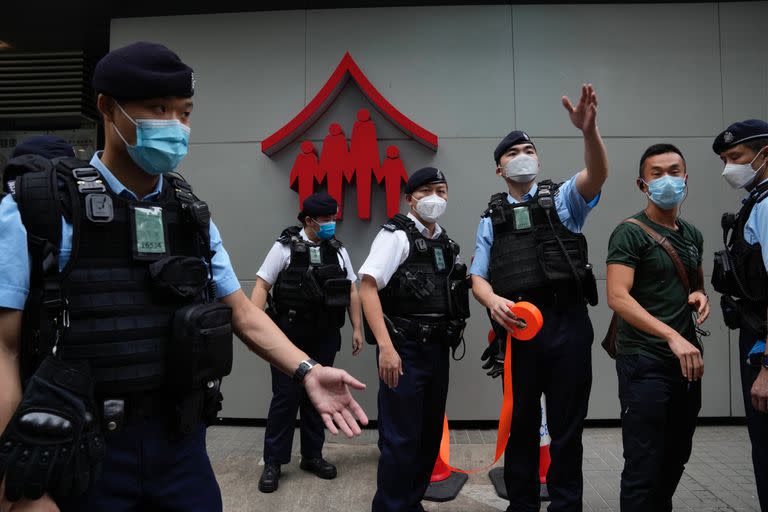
[[279, 257], [389, 250]]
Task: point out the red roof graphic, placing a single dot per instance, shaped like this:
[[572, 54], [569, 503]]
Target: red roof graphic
[[346, 69]]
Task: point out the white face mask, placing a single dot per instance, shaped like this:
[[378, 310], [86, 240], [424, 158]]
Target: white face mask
[[430, 208], [523, 168], [741, 175]]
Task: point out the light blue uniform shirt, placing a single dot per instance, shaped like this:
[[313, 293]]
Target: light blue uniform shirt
[[14, 258], [571, 208], [756, 228]]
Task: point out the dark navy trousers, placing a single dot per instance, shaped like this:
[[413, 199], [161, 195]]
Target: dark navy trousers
[[558, 363], [145, 470], [411, 427], [757, 422], [289, 397], [659, 408]]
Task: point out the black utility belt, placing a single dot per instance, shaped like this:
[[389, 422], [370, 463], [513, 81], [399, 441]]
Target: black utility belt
[[550, 298], [423, 330]]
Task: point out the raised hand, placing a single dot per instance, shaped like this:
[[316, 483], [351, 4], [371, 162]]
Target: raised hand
[[584, 114]]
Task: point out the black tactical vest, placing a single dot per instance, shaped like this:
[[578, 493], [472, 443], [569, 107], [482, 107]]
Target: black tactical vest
[[313, 286], [739, 270], [528, 256], [114, 302], [427, 282]]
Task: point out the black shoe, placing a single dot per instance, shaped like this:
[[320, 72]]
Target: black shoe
[[320, 467], [269, 478]]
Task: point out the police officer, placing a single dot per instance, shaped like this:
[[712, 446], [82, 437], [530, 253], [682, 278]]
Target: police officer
[[530, 247], [104, 278], [47, 146], [740, 275], [313, 284], [415, 299]]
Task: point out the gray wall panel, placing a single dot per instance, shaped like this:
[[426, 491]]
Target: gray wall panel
[[643, 61], [448, 68], [249, 68], [744, 67]]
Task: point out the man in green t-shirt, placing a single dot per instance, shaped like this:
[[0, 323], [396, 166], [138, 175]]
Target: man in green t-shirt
[[659, 359]]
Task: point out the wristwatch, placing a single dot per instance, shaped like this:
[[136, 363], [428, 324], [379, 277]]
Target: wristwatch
[[303, 370], [764, 361]]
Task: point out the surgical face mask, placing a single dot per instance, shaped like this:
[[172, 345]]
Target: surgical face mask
[[741, 175], [326, 230], [430, 208], [666, 192], [161, 144], [523, 168]]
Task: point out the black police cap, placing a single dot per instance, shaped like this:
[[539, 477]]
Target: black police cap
[[143, 70], [424, 176], [318, 205], [48, 146], [739, 133], [512, 138]]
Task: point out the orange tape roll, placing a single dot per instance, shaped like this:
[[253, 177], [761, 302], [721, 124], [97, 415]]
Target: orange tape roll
[[532, 317]]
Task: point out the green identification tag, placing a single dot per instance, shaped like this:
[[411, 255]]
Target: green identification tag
[[150, 234], [522, 218], [314, 256], [439, 259]]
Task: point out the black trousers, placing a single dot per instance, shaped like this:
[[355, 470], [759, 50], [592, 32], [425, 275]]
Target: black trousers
[[658, 417], [757, 422], [288, 398], [411, 427], [558, 363]]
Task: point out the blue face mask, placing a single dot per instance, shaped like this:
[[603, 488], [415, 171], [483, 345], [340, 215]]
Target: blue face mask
[[666, 192], [327, 230], [161, 144]]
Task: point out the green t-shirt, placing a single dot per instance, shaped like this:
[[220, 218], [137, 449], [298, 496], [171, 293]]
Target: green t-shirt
[[656, 286]]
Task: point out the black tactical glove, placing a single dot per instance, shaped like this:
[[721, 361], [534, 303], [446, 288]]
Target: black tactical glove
[[52, 443], [494, 355]]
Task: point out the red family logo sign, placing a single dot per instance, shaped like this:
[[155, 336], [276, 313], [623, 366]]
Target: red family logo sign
[[357, 161]]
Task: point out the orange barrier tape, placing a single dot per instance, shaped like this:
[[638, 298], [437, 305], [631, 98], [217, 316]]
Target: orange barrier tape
[[534, 321]]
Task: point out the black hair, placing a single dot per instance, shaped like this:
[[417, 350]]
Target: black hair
[[658, 149], [756, 144]]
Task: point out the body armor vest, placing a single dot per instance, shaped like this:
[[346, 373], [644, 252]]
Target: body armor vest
[[114, 303], [739, 270], [313, 284], [428, 282], [533, 253]]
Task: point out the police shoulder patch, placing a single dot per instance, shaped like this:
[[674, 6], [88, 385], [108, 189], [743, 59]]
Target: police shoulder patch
[[389, 226]]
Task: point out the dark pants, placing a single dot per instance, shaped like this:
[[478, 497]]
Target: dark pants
[[658, 417], [558, 363], [289, 397], [757, 422], [145, 470], [411, 427]]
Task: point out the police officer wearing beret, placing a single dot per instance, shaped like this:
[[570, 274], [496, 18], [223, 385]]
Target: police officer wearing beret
[[530, 247], [416, 300], [312, 283], [117, 307], [49, 146], [740, 275], [45, 146]]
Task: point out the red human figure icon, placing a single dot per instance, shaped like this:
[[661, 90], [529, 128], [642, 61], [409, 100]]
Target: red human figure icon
[[305, 171], [335, 163], [364, 151], [394, 174]]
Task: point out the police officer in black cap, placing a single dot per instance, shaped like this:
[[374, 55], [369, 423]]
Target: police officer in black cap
[[740, 275], [117, 307], [530, 247], [416, 300], [45, 146], [312, 283]]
